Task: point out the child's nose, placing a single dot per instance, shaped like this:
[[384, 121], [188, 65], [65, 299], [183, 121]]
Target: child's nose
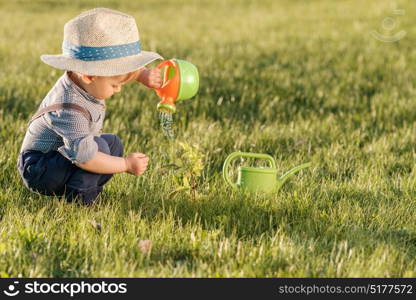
[[117, 89]]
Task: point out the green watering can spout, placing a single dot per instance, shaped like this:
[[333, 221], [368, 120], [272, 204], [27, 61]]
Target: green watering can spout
[[292, 172]]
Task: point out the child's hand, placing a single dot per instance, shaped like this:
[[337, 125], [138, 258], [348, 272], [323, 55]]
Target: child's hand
[[152, 78], [136, 163]]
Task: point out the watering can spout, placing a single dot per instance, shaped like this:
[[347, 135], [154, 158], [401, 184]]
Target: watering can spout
[[292, 172]]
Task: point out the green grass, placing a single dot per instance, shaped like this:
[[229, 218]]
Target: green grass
[[300, 80]]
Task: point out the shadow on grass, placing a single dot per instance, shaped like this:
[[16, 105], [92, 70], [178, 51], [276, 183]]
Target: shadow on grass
[[248, 218]]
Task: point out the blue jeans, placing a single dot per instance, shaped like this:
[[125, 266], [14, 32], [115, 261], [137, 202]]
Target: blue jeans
[[53, 174]]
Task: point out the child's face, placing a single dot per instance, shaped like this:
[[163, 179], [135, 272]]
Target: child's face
[[103, 87]]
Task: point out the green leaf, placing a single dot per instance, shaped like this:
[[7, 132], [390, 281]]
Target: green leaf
[[177, 190], [186, 182]]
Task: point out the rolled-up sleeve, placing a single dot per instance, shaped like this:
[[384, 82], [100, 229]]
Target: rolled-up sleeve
[[78, 141]]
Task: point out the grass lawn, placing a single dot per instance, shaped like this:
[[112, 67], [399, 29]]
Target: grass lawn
[[300, 80]]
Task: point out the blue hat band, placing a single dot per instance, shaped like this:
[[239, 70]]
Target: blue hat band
[[100, 53]]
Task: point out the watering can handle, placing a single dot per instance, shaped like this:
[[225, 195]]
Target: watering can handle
[[235, 155], [170, 63]]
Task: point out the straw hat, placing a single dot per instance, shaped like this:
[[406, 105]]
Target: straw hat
[[101, 42]]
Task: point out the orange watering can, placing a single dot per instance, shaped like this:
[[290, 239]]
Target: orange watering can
[[180, 82]]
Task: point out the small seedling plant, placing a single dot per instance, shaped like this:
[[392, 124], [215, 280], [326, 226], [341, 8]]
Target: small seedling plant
[[186, 166]]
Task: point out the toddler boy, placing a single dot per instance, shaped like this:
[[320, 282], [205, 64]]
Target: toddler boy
[[64, 152]]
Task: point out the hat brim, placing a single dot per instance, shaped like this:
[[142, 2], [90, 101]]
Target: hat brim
[[108, 67]]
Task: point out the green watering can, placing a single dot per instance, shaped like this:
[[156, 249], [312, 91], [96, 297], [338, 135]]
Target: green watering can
[[258, 179]]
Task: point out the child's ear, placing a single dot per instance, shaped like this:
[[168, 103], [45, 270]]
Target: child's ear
[[87, 79]]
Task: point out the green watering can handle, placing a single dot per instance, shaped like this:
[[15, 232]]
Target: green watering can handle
[[235, 155]]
